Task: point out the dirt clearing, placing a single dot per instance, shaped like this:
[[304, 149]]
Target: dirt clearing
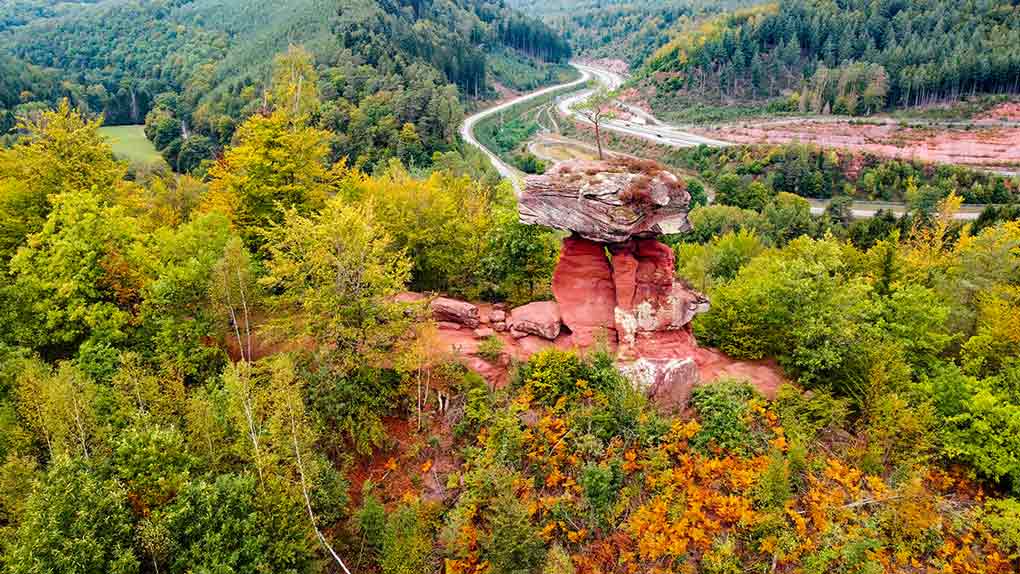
[[979, 146]]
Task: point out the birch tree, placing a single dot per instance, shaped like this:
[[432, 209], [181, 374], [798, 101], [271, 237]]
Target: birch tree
[[336, 273]]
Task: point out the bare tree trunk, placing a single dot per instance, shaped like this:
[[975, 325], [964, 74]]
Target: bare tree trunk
[[80, 426], [247, 317], [308, 500], [598, 140], [249, 415]]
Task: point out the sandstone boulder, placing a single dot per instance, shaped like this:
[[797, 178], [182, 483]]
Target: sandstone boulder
[[667, 382], [607, 201], [583, 286], [483, 332], [648, 296], [497, 316], [454, 311], [540, 318]]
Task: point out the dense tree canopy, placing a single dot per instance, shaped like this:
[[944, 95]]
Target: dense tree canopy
[[850, 56], [201, 66], [620, 29], [238, 370]]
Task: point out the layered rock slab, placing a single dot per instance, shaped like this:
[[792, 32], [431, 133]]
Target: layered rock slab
[[447, 310], [607, 201], [540, 318]]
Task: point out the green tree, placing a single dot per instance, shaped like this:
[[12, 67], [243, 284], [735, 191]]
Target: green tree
[[407, 542], [152, 463], [192, 152], [230, 525], [74, 522], [61, 151], [597, 109], [519, 258], [176, 314], [274, 166], [805, 304], [335, 273], [82, 273], [719, 260], [59, 408], [295, 83], [786, 217]]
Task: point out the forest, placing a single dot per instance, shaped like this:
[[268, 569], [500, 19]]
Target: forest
[[205, 64], [630, 30], [218, 374], [231, 362], [850, 56], [747, 176]]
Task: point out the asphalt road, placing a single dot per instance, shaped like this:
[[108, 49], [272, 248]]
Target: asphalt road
[[467, 128], [652, 129]]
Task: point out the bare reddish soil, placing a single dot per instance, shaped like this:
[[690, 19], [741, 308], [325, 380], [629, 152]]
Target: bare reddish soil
[[765, 375], [634, 97], [980, 146], [506, 93], [612, 64], [1008, 111]]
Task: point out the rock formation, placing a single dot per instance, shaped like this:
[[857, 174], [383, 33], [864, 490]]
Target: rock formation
[[540, 318], [583, 286], [649, 298], [613, 276], [614, 283], [454, 312], [607, 201]]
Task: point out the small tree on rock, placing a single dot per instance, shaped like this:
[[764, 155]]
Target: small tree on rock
[[597, 109]]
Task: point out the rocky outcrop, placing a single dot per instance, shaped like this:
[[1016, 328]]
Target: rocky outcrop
[[649, 298], [667, 382], [633, 293], [607, 201], [446, 310], [540, 318], [613, 275], [583, 286]]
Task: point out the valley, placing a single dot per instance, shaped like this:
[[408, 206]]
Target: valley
[[510, 287], [994, 154]]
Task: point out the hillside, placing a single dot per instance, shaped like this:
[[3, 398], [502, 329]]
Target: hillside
[[630, 30], [329, 335], [209, 60], [849, 56], [247, 372]]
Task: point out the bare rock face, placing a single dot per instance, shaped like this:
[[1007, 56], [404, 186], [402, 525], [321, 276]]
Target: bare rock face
[[540, 318], [583, 287], [607, 201], [649, 298], [449, 310], [667, 382]]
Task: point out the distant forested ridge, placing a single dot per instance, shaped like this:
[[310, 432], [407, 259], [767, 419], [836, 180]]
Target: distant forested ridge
[[852, 56], [207, 63], [629, 30]]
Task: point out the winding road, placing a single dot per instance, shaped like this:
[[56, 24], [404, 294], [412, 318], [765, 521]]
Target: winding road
[[467, 128], [649, 128]]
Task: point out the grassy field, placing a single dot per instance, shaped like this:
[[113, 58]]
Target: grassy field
[[129, 143]]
